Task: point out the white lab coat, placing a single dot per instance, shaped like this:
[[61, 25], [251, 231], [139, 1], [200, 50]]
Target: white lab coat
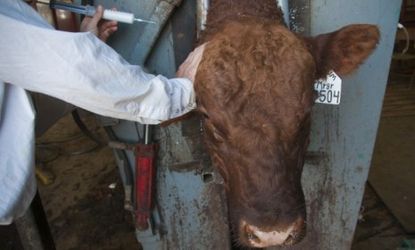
[[77, 68]]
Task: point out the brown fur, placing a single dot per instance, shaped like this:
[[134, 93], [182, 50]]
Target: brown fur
[[343, 50], [221, 12], [257, 120], [254, 87]]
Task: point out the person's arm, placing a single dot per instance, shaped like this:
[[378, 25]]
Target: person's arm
[[84, 71]]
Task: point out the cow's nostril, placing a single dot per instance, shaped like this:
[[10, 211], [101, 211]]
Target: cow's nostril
[[252, 237], [290, 240], [295, 237]]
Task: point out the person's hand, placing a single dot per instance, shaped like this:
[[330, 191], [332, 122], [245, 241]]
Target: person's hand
[[102, 29], [189, 67]]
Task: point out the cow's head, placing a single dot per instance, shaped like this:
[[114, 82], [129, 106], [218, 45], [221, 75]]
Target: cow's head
[[255, 90]]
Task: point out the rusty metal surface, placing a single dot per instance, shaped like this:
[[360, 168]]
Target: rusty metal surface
[[299, 16], [191, 209], [190, 204], [146, 41], [190, 191], [345, 133]]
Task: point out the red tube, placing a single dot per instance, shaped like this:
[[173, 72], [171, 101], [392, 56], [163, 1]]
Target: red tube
[[145, 174]]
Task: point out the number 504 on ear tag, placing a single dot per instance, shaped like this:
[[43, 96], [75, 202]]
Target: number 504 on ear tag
[[329, 90]]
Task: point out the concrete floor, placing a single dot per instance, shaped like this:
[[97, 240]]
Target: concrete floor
[[82, 210], [377, 228]]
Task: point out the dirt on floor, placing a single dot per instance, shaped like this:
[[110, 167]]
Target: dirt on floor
[[84, 198], [377, 229]]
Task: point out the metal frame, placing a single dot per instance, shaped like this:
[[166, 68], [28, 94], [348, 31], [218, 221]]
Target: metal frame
[[191, 207]]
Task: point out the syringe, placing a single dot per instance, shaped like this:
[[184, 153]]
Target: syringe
[[89, 10]]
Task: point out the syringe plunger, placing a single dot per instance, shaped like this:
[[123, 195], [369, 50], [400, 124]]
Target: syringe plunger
[[89, 10]]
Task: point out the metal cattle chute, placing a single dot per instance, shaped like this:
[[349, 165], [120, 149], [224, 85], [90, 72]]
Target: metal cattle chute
[[189, 205]]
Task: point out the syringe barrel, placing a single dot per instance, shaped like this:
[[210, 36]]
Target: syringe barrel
[[113, 15], [118, 16]]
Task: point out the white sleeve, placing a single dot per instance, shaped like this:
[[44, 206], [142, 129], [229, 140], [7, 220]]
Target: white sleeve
[[80, 69]]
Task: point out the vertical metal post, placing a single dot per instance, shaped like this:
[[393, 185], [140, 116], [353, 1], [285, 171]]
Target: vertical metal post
[[345, 133]]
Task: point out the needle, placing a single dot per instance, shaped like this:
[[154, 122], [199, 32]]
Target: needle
[[143, 21]]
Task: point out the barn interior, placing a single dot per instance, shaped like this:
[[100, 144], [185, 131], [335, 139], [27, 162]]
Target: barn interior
[[81, 191], [388, 208]]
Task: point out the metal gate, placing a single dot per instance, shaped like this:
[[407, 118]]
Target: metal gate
[[191, 205]]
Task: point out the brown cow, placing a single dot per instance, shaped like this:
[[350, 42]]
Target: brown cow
[[254, 88]]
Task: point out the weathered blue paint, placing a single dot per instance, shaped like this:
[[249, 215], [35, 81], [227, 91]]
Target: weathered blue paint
[[191, 208], [191, 213], [345, 133]]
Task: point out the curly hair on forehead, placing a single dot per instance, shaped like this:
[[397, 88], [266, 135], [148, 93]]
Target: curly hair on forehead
[[254, 88], [261, 82]]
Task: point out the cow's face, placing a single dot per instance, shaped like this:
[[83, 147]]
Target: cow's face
[[255, 90]]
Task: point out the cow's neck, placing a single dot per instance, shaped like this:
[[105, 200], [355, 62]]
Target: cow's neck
[[223, 11]]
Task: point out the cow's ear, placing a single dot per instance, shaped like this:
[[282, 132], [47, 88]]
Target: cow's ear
[[343, 50]]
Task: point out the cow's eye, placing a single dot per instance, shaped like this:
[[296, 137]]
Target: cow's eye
[[202, 111], [213, 132], [217, 135]]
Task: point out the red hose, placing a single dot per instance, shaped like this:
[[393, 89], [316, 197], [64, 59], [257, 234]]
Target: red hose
[[145, 174]]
